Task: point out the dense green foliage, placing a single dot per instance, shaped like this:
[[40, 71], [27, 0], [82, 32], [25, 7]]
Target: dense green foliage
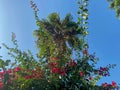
[[63, 61], [115, 4]]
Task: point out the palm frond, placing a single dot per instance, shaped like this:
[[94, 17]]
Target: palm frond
[[68, 18], [54, 18]]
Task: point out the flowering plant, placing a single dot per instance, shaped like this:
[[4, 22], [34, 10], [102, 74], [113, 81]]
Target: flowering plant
[[54, 68], [28, 73]]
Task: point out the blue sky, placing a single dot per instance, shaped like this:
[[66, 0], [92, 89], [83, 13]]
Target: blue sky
[[17, 16]]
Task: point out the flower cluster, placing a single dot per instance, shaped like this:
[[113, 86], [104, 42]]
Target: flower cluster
[[53, 62], [37, 73], [18, 72], [55, 66], [81, 73], [71, 63], [1, 79], [56, 69], [60, 71], [110, 85], [103, 71]]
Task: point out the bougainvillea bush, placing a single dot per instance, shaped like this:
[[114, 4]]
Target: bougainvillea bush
[[55, 68], [26, 73]]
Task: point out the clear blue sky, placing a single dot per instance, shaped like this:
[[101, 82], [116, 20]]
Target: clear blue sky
[[104, 28]]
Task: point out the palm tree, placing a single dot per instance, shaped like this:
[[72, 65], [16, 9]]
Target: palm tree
[[57, 38]]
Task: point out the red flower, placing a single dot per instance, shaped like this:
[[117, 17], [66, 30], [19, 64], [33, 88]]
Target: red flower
[[17, 69], [1, 85], [63, 71], [1, 73], [105, 84], [37, 73], [103, 69], [55, 70], [1, 76], [81, 73], [114, 84], [72, 63], [27, 77], [9, 71], [90, 78]]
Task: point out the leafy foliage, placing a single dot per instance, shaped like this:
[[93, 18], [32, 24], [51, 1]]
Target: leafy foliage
[[115, 4], [55, 68]]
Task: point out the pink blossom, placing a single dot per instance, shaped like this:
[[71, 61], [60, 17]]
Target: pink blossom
[[1, 85], [72, 63], [17, 69], [90, 78], [106, 84], [9, 71], [27, 77], [1, 73], [55, 70], [114, 84], [81, 73]]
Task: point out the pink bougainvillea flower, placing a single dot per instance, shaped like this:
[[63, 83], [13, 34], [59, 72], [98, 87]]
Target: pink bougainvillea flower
[[62, 71], [9, 71], [17, 69], [72, 63], [106, 85], [1, 73], [81, 73], [37, 73], [90, 78], [114, 84], [1, 85], [103, 69], [1, 76], [55, 70], [27, 77]]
